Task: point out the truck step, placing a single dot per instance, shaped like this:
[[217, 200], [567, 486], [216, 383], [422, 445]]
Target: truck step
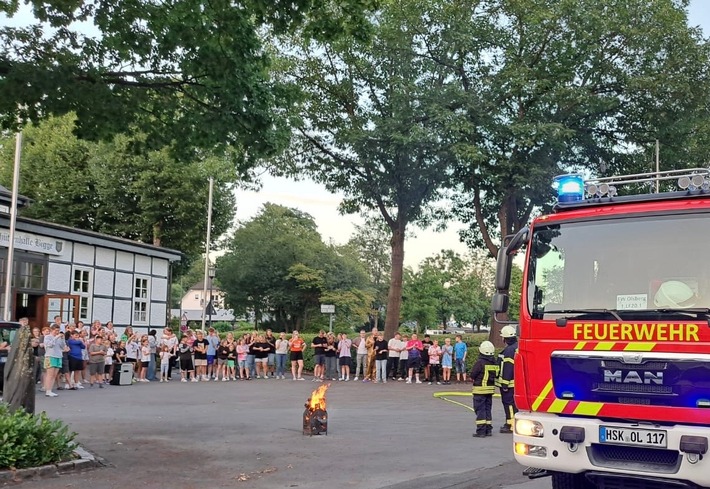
[[535, 473]]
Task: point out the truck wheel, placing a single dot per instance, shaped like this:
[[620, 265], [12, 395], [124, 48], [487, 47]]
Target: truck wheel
[[570, 481]]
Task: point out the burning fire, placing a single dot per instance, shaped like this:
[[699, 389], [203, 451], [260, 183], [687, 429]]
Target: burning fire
[[317, 399]]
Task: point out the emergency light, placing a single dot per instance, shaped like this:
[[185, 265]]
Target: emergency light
[[570, 187]]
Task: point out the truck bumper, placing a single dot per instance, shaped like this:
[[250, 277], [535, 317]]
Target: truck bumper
[[576, 445]]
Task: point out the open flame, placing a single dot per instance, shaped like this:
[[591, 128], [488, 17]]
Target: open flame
[[317, 399]]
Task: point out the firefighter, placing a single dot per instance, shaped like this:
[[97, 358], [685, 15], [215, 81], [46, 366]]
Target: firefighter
[[506, 374], [483, 375]]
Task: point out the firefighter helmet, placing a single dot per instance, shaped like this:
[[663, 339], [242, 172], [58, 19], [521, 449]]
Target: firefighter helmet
[[508, 332], [487, 348], [674, 294]]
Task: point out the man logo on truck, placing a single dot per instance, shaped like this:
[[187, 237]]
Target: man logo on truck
[[633, 377]]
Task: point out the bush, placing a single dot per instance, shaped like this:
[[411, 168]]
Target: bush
[[27, 440]]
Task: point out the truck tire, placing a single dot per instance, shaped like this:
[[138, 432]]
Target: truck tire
[[561, 480]]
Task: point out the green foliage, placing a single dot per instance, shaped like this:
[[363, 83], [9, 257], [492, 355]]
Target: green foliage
[[445, 286], [222, 327], [277, 265], [27, 440], [119, 187], [194, 73]]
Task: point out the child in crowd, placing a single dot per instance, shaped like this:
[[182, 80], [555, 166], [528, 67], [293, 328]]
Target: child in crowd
[[108, 361], [242, 351], [185, 356], [165, 356], [222, 355], [434, 359], [232, 360], [144, 359]]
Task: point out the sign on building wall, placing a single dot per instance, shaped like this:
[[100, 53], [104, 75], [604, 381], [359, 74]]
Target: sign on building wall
[[32, 242]]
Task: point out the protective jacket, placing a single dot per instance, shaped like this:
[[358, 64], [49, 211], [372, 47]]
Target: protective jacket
[[484, 374], [506, 366]]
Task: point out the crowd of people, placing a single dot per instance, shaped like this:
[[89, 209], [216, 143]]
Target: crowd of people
[[67, 357], [71, 356]]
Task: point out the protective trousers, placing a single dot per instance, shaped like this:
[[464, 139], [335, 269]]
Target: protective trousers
[[370, 371], [482, 404], [508, 406]]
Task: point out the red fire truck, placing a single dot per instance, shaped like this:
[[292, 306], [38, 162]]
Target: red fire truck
[[613, 368]]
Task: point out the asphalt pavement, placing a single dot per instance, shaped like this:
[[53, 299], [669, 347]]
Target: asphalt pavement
[[249, 435]]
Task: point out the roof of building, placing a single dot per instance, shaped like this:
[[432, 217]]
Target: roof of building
[[90, 237]]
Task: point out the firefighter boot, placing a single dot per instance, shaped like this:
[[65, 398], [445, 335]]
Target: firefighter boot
[[506, 429], [489, 430], [480, 432]]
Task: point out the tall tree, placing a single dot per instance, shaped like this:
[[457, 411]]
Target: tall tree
[[188, 73], [368, 127]]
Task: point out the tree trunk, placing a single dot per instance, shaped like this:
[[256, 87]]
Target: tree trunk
[[507, 218], [157, 233], [394, 299], [19, 388]]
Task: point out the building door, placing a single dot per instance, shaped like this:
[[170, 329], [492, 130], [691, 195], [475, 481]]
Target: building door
[[63, 305]]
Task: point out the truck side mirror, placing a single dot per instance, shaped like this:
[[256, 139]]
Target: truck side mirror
[[499, 303], [504, 264]]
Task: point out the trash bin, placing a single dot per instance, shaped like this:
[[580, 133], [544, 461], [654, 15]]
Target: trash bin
[[122, 374]]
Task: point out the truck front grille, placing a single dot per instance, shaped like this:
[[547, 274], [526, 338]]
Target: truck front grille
[[638, 458]]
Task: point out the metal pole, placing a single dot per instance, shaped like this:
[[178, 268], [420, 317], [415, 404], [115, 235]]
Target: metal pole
[[9, 268], [207, 250], [330, 328], [658, 166]]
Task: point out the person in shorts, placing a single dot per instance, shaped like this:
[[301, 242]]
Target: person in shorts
[[185, 355], [344, 357], [319, 343], [296, 344], [53, 352], [414, 347], [200, 346], [222, 356], [261, 356], [212, 346], [97, 361]]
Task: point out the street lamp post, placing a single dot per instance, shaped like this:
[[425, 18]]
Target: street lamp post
[[211, 270]]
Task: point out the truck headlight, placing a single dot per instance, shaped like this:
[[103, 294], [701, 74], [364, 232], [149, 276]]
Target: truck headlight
[[526, 427]]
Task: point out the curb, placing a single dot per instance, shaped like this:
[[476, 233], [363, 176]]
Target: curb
[[83, 461]]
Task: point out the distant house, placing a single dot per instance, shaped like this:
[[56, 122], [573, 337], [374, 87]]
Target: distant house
[[193, 306]]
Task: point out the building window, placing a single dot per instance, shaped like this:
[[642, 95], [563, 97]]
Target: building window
[[81, 286], [31, 275], [140, 300]]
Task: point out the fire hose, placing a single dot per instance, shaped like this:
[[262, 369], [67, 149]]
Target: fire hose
[[444, 396]]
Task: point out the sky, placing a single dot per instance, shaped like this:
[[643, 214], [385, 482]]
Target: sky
[[314, 199]]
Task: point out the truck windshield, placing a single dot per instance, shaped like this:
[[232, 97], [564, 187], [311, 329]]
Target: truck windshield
[[623, 267]]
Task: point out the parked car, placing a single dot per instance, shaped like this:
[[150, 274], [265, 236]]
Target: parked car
[[8, 330]]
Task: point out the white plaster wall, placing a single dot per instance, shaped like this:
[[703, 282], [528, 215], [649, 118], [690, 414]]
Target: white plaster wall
[[143, 264], [160, 267], [103, 282], [124, 285], [58, 277], [105, 257], [83, 254], [157, 314], [122, 312], [159, 289], [102, 309], [124, 261]]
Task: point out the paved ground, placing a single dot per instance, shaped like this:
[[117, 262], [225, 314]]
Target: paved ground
[[249, 435]]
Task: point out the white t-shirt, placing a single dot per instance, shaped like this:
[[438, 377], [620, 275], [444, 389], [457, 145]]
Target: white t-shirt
[[362, 347], [393, 343], [281, 346], [165, 357], [108, 360], [404, 354]]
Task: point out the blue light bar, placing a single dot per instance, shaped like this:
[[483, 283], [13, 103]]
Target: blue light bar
[[570, 188]]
